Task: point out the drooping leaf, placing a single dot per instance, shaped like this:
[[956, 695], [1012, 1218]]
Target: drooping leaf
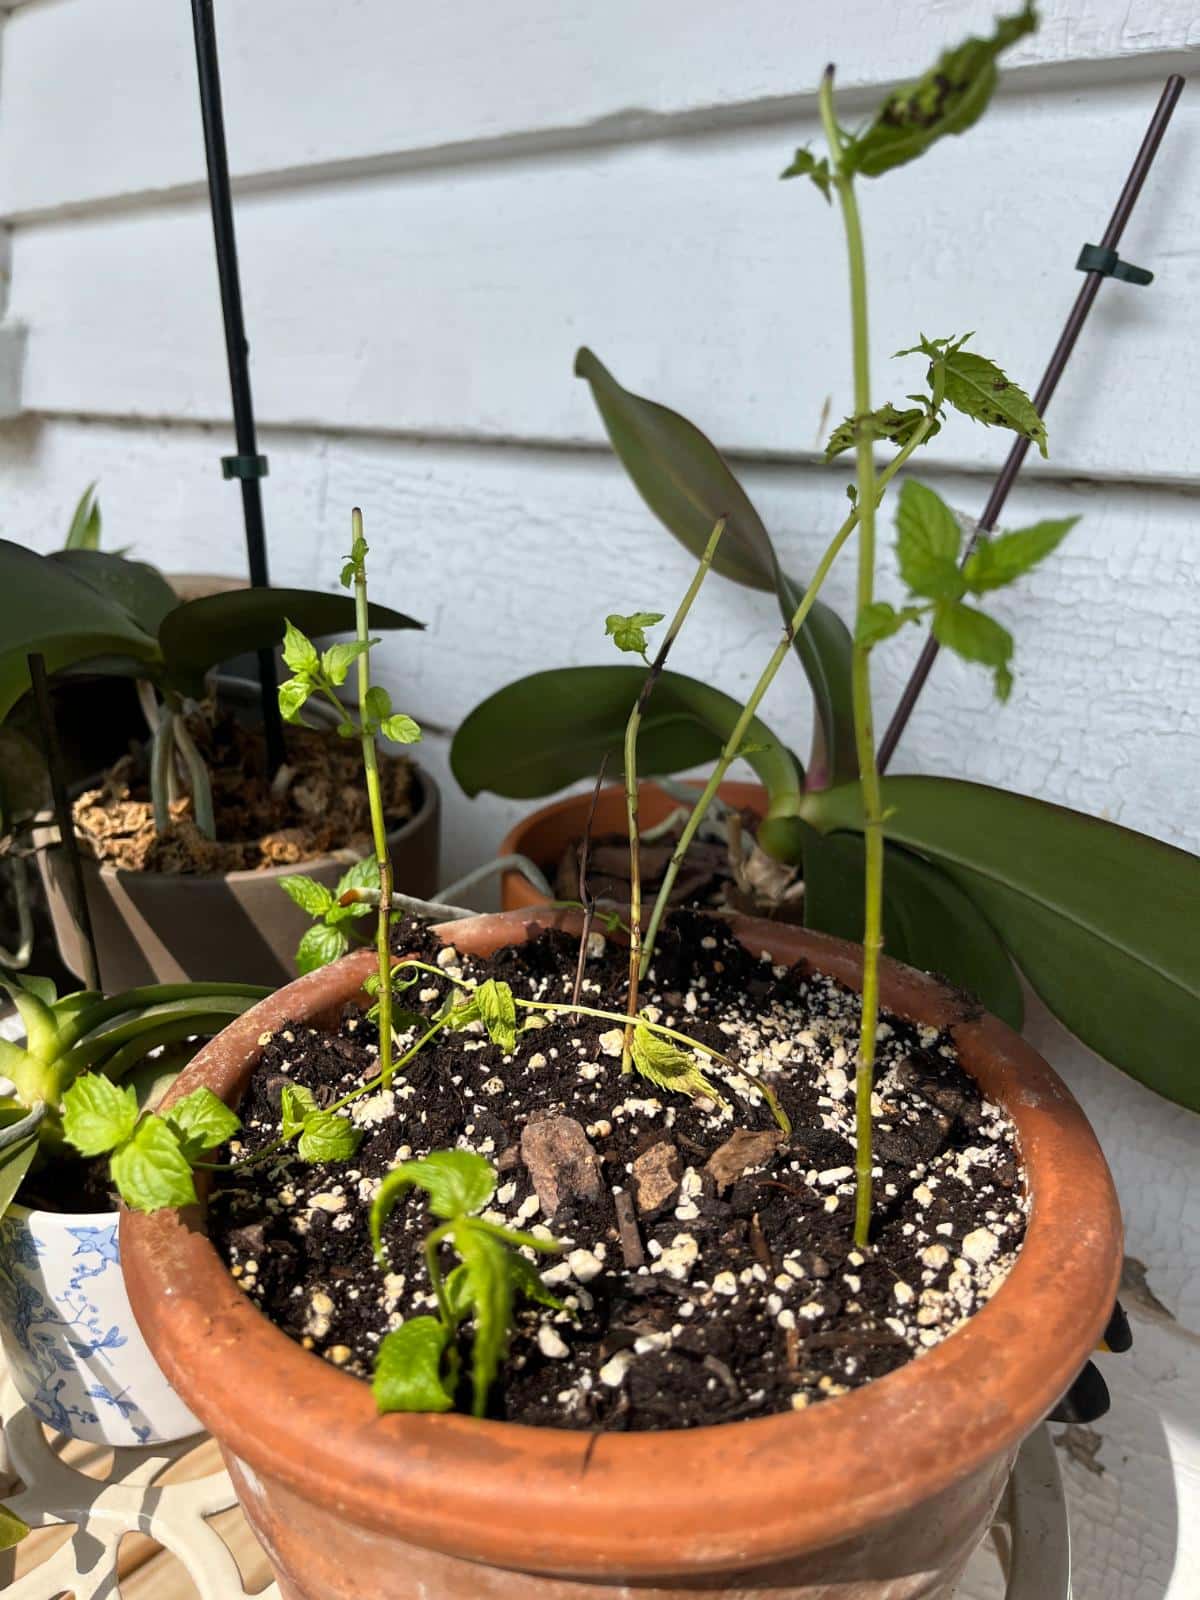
[[488, 1264], [457, 1183], [296, 1105], [408, 1368], [492, 1004], [196, 636], [328, 1137], [97, 1114], [150, 1170], [975, 636], [951, 96], [84, 532], [571, 718], [927, 543], [889, 422], [688, 485], [319, 945], [1102, 920], [1004, 557], [666, 1065], [135, 586], [48, 609], [201, 1122], [308, 894], [805, 165], [928, 921]]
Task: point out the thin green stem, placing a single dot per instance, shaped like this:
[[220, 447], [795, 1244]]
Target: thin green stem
[[860, 671], [778, 657], [632, 728], [434, 1268], [375, 801]]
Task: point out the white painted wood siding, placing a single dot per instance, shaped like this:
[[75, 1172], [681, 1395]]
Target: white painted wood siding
[[437, 205]]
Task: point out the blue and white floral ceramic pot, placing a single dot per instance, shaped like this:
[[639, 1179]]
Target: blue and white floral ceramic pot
[[73, 1348]]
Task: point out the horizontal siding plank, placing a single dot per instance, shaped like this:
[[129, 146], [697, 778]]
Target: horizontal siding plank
[[452, 303], [98, 99]]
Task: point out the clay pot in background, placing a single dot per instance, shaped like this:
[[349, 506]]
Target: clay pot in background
[[881, 1494], [546, 834]]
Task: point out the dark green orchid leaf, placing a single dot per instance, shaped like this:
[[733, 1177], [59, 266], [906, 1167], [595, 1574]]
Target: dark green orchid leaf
[[686, 482], [135, 586], [48, 609], [1101, 920], [196, 636], [928, 921], [568, 720]]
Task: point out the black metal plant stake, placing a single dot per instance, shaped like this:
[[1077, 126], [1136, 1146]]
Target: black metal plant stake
[[247, 465], [1097, 262]]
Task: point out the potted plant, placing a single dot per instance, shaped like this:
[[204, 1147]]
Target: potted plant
[[169, 900], [69, 1339]]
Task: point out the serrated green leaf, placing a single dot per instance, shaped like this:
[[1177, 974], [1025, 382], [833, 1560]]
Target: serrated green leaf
[[400, 729], [927, 543], [363, 874], [150, 1170], [1007, 556], [880, 621], [805, 165], [308, 894], [976, 386], [338, 659], [201, 1122], [947, 100], [666, 1065], [299, 652], [975, 636], [328, 1137], [294, 694], [629, 633], [889, 422], [97, 1114], [296, 1105], [408, 1368], [320, 945], [498, 1010], [456, 1182], [12, 1528], [489, 1270]]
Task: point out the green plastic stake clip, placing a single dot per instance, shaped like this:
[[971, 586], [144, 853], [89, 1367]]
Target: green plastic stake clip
[[1095, 258]]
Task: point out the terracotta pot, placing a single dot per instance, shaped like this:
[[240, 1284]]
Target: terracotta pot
[[544, 835], [878, 1495], [154, 927]]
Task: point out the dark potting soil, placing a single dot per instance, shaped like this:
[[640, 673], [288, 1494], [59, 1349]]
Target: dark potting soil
[[708, 1268]]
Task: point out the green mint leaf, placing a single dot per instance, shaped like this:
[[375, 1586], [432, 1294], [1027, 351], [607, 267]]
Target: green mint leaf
[[337, 660], [408, 1368], [364, 874], [12, 1528], [499, 1013], [947, 100], [928, 538], [976, 386], [347, 574], [975, 636], [456, 1182], [293, 696], [492, 1288], [400, 729], [296, 1105], [299, 652], [328, 1137], [150, 1170], [666, 1065], [805, 165], [379, 703], [1007, 556], [201, 1121], [629, 633], [880, 621], [528, 1283], [889, 422], [320, 945], [308, 894], [97, 1114]]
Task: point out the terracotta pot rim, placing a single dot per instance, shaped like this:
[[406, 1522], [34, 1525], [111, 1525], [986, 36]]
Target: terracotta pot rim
[[723, 1496]]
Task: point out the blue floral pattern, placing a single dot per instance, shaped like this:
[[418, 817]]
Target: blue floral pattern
[[59, 1346]]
